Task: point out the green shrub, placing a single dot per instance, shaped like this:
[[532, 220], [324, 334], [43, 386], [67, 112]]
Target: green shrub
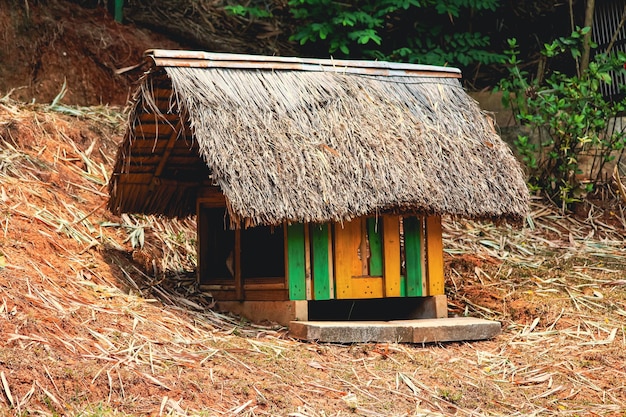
[[574, 133]]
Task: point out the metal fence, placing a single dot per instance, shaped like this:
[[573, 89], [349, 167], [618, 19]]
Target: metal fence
[[608, 28]]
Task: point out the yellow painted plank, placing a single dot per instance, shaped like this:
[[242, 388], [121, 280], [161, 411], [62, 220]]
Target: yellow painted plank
[[347, 262], [434, 255], [367, 287], [391, 256]]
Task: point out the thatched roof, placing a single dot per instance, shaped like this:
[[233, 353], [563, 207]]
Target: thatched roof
[[309, 140]]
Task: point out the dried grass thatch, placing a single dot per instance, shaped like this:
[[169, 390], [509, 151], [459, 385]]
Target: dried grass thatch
[[313, 146]]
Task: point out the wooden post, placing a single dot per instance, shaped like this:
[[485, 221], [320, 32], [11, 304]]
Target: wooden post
[[376, 246], [237, 257], [119, 11], [347, 262], [434, 253], [391, 257], [320, 247], [296, 261], [413, 256], [201, 237]]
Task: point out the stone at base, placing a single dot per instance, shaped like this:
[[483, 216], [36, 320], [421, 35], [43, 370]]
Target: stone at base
[[282, 312], [402, 331]]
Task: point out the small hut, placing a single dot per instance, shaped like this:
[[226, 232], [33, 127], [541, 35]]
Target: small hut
[[318, 185]]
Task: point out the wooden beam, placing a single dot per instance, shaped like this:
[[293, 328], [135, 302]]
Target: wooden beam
[[144, 178], [211, 197], [166, 153]]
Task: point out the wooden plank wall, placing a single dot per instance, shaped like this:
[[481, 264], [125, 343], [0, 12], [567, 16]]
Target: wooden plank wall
[[325, 261], [373, 269]]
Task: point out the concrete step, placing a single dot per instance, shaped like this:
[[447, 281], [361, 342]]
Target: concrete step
[[402, 331]]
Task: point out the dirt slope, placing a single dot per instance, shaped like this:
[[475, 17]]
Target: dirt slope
[[44, 44], [93, 324]]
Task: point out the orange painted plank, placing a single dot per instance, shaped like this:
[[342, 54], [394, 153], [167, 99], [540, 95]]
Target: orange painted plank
[[367, 287], [364, 255], [391, 256], [434, 255], [347, 262]]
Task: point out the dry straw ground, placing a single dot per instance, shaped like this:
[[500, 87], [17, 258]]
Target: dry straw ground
[[92, 326]]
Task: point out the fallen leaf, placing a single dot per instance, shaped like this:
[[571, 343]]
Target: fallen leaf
[[316, 365]]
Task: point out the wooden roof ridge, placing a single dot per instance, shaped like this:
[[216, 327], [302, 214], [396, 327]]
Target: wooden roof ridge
[[200, 59]]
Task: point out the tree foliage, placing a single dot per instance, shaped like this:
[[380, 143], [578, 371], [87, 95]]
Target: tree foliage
[[424, 31]]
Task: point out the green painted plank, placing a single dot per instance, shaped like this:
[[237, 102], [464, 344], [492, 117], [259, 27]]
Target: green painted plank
[[119, 11], [375, 236], [321, 267], [296, 262], [413, 256]]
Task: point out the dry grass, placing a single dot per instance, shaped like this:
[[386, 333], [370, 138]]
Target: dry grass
[[94, 326]]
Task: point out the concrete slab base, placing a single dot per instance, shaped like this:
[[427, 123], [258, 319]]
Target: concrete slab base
[[402, 331]]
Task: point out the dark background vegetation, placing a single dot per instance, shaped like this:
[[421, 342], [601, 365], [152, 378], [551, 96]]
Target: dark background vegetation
[[33, 31]]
